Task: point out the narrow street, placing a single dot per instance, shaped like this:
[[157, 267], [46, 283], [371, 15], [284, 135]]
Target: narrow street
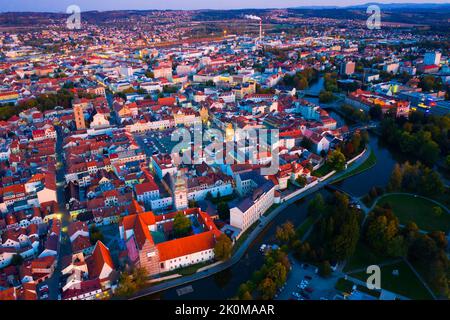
[[65, 247]]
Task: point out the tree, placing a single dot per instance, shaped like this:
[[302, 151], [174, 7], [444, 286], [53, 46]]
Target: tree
[[325, 269], [95, 235], [330, 82], [140, 276], [303, 251], [430, 251], [397, 247], [182, 225], [192, 204], [267, 288], [301, 181], [317, 206], [285, 233], [247, 296], [126, 285], [307, 143], [424, 248], [375, 112], [383, 233], [326, 96], [429, 152], [395, 182], [335, 235], [244, 288], [129, 283], [336, 160], [278, 274], [437, 211], [356, 141], [223, 210], [301, 84], [16, 260], [223, 247]]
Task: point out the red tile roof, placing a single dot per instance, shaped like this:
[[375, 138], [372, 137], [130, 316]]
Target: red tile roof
[[185, 246], [99, 258]]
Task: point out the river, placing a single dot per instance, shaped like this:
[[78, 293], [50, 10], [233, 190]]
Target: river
[[224, 285]]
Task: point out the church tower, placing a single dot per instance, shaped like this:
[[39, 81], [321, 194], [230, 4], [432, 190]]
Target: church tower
[[79, 117], [180, 200]]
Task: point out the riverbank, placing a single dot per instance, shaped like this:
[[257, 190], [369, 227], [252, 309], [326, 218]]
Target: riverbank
[[259, 227], [366, 165]]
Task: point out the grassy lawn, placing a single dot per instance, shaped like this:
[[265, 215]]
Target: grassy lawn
[[304, 227], [406, 283], [409, 208], [322, 171], [422, 270], [369, 163], [269, 211], [244, 236], [362, 258]]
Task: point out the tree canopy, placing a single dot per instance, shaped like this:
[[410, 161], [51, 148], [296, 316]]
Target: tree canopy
[[182, 225], [223, 247]]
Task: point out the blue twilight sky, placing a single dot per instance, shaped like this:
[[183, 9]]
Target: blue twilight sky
[[104, 5]]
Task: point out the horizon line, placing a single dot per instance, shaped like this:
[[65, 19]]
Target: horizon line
[[317, 7]]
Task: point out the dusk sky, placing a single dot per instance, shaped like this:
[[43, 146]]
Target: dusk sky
[[104, 5]]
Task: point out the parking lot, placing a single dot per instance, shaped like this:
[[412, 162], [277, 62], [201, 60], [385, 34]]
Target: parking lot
[[154, 142], [304, 284]]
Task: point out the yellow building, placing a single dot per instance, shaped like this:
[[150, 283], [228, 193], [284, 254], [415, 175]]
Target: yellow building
[[229, 132], [204, 114], [244, 89]]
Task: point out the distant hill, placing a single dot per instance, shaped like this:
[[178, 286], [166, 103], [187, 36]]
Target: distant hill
[[434, 14], [386, 6]]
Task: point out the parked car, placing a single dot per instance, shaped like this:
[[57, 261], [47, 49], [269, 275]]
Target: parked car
[[43, 288], [309, 289]]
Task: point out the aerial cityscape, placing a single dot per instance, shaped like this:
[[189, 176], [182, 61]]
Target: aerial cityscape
[[271, 151]]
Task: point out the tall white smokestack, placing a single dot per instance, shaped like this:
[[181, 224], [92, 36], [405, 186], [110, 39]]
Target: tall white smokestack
[[260, 30], [252, 17]]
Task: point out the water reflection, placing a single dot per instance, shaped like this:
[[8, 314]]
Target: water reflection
[[224, 285], [378, 175]]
